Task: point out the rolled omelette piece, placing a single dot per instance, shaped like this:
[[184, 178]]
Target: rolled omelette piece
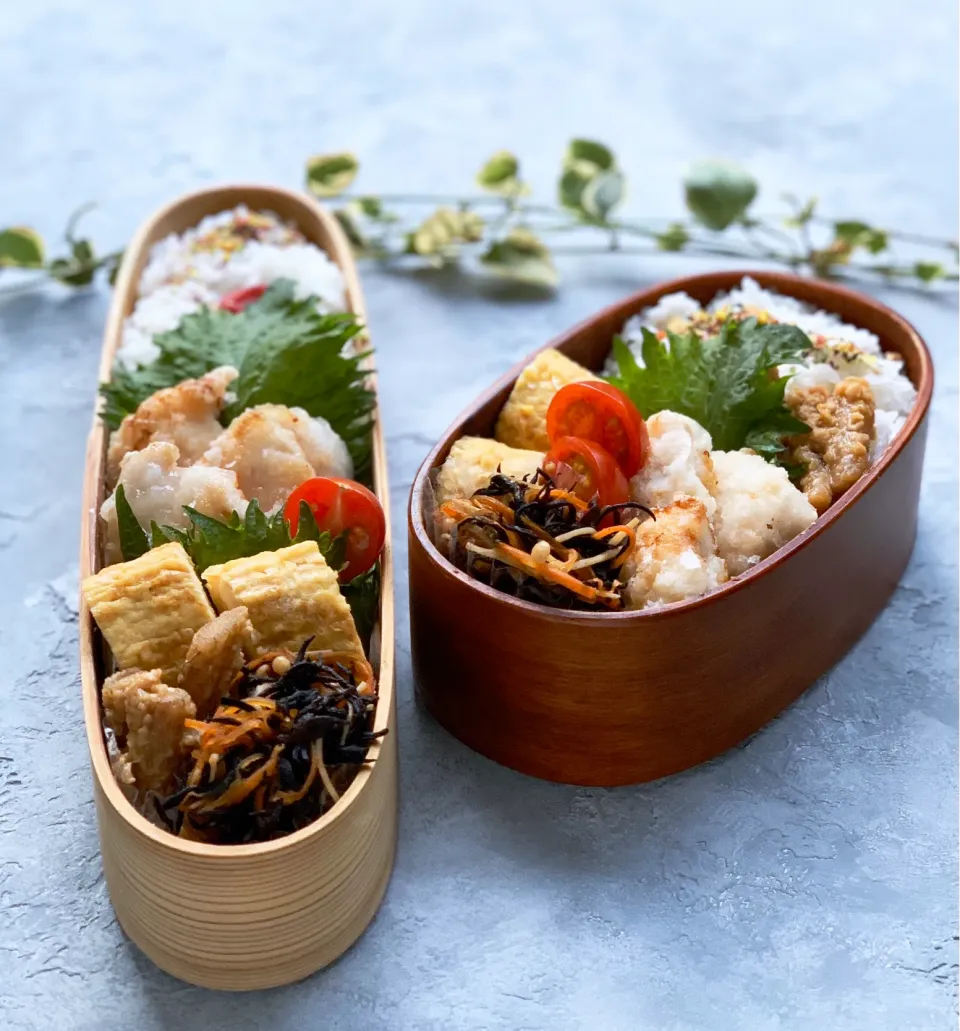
[[474, 460], [290, 595], [149, 608], [523, 420]]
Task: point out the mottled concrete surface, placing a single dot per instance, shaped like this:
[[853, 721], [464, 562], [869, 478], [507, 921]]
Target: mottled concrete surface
[[806, 880]]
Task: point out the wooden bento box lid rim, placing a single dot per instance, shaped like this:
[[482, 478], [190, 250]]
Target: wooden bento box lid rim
[[177, 216], [849, 304]]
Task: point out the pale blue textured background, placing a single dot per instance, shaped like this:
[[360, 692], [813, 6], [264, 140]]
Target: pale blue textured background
[[806, 880]]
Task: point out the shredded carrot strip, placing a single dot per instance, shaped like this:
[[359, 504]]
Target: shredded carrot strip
[[520, 559], [196, 724], [627, 531], [241, 788], [455, 510], [566, 495], [362, 670], [495, 505], [289, 797]]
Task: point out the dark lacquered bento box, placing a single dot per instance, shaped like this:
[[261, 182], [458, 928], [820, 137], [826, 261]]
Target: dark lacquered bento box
[[619, 698]]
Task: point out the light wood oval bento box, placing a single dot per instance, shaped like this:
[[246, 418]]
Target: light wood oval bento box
[[241, 917], [620, 698]]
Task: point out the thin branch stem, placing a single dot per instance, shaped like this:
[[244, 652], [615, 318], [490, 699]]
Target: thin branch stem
[[896, 234]]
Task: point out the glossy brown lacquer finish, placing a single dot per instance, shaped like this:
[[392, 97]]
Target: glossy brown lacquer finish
[[606, 699], [241, 917]]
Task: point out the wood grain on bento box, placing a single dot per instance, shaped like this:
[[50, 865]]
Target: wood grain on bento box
[[242, 917], [619, 698]]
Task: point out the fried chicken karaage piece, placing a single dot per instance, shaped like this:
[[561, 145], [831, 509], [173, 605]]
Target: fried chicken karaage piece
[[273, 449], [758, 509], [675, 558], [185, 415], [147, 715], [215, 657], [158, 488], [836, 451]]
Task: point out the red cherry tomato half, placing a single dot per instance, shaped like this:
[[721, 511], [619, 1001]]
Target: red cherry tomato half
[[602, 413], [240, 299], [587, 469], [342, 505]]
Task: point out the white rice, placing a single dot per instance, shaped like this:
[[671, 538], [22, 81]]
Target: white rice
[[183, 275], [893, 393], [788, 309]]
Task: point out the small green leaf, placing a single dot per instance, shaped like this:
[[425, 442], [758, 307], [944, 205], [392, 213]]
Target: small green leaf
[[589, 183], [603, 193], [499, 173], [591, 152], [803, 216], [20, 247], [373, 209], [876, 241], [133, 539], [928, 271], [859, 234], [328, 175], [850, 232], [79, 269], [521, 256], [674, 238], [114, 267], [570, 188], [440, 233], [718, 192], [351, 230]]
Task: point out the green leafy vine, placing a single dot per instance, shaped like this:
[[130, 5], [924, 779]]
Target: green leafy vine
[[500, 232]]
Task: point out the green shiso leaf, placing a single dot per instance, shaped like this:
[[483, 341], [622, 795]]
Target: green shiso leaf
[[286, 353], [210, 541], [724, 382], [363, 595], [133, 541], [300, 363]]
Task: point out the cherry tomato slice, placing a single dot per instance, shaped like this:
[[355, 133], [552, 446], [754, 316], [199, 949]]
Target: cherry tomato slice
[[240, 299], [602, 413], [587, 469], [339, 505]]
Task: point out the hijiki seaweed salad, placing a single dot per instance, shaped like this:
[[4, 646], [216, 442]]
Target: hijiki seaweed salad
[[716, 436], [240, 541]]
